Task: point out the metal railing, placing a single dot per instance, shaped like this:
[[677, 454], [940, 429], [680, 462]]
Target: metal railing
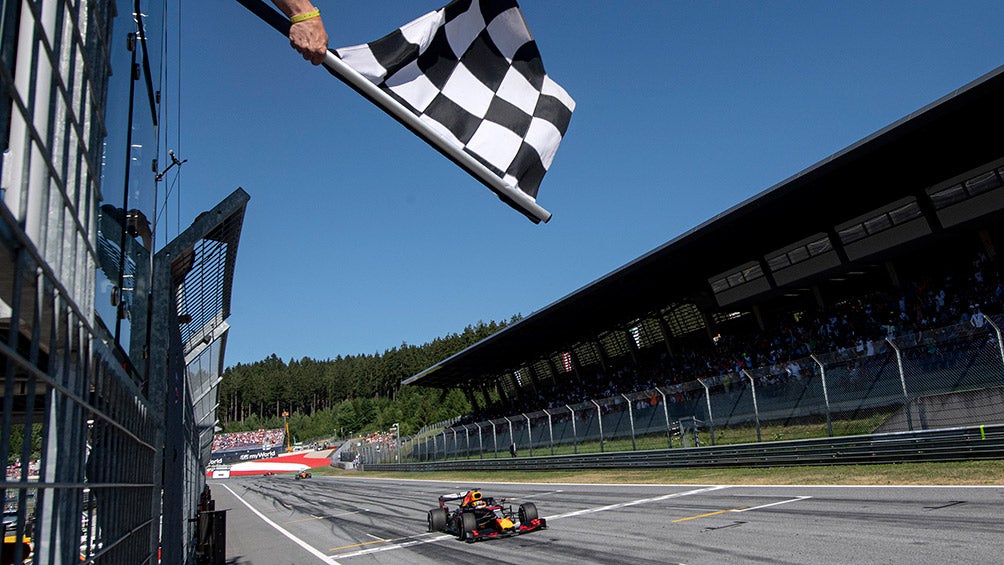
[[951, 444], [79, 437], [949, 377]]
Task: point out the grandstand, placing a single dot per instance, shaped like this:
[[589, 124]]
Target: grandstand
[[869, 267], [259, 439]]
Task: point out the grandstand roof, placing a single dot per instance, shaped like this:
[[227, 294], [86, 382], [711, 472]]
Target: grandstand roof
[[894, 174]]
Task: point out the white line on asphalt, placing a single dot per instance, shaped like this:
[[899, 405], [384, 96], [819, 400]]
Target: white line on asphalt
[[438, 537], [543, 494], [635, 502], [326, 516], [549, 518], [796, 499], [324, 558]]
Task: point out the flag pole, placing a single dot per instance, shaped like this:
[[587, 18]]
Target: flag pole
[[512, 196]]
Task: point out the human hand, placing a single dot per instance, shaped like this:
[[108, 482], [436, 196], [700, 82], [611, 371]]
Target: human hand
[[310, 39]]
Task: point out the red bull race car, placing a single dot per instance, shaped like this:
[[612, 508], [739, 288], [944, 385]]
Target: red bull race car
[[478, 517]]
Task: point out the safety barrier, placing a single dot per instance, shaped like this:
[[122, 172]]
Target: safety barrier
[[942, 378], [952, 444]]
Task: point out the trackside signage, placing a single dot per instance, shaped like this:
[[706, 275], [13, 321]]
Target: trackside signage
[[228, 458]]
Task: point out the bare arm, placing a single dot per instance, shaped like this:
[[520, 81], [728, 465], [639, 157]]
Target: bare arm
[[308, 37]]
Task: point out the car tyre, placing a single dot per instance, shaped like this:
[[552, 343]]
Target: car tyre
[[465, 525], [437, 519], [527, 513]]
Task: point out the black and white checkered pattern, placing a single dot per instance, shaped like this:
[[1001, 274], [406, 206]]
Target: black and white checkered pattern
[[471, 70]]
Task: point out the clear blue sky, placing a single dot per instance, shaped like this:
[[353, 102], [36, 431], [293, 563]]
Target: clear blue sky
[[358, 237]]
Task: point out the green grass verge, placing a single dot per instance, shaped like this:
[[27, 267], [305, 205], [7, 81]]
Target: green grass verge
[[965, 473], [954, 473]]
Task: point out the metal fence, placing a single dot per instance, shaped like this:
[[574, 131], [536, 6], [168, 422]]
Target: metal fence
[[942, 445], [79, 437], [110, 354], [80, 440], [948, 377]]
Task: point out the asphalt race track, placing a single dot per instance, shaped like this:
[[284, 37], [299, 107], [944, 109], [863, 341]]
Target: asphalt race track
[[279, 520]]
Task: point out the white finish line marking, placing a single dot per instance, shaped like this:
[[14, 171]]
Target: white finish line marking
[[796, 499], [438, 537], [442, 537], [310, 549], [635, 502]]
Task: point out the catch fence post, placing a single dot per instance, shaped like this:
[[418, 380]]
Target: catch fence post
[[902, 382], [1000, 341], [512, 438], [826, 394], [575, 436], [599, 417], [550, 430], [711, 418], [529, 433], [665, 412], [634, 446], [495, 438], [756, 410]]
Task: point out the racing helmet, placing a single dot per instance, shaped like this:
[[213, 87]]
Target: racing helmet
[[472, 498]]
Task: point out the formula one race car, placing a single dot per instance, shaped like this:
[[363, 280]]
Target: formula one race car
[[303, 475], [478, 517]]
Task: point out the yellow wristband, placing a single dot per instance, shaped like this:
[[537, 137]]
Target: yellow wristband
[[304, 16]]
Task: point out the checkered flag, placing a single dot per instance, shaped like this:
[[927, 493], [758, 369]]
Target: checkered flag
[[472, 72], [467, 79]]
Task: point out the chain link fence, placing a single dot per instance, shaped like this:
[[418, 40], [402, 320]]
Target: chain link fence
[[941, 378]]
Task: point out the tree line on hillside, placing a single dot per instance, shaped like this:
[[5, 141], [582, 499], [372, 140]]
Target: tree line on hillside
[[346, 395]]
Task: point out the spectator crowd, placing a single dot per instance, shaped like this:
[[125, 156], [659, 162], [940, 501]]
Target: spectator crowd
[[264, 439], [958, 300]]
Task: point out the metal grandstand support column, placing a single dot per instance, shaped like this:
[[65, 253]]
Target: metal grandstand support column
[[575, 436], [667, 334], [826, 394], [573, 356], [665, 412], [1000, 342], [756, 409], [531, 373], [599, 418], [902, 382], [601, 355], [634, 446], [632, 347], [469, 391], [553, 368]]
